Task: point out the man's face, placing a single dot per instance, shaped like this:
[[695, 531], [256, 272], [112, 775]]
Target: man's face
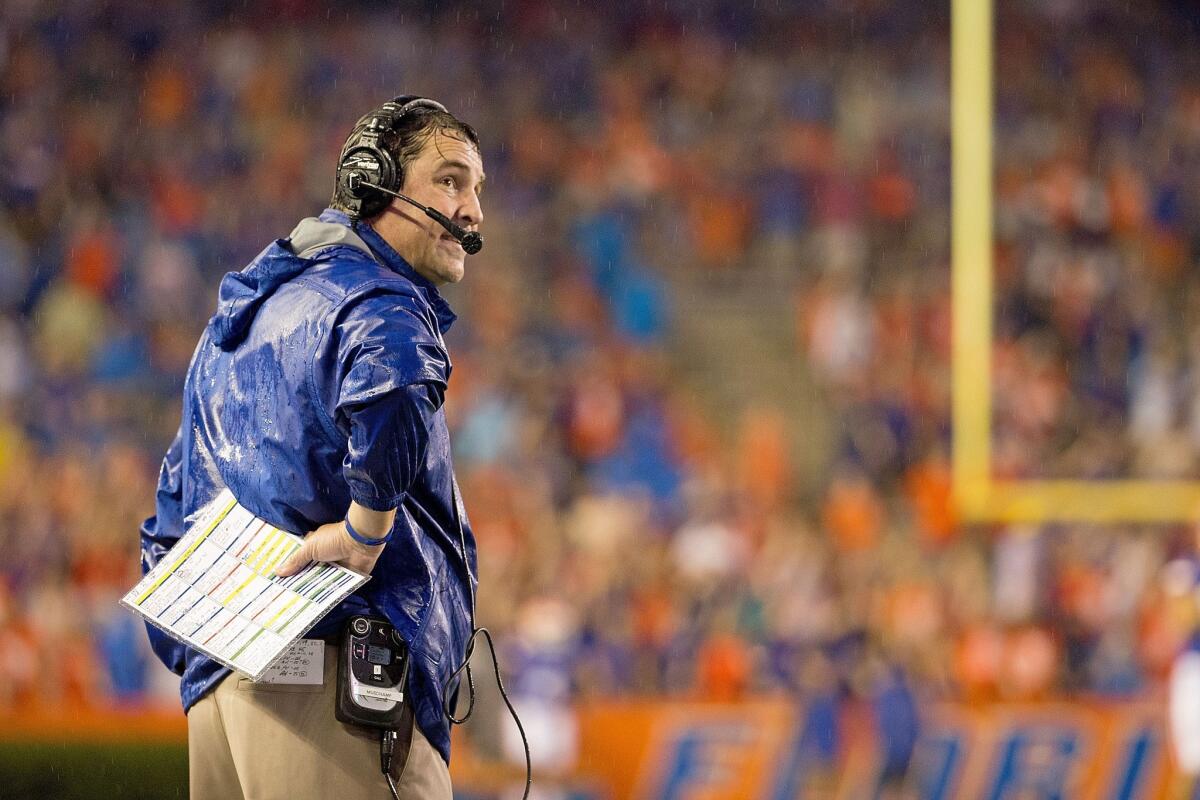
[[448, 175]]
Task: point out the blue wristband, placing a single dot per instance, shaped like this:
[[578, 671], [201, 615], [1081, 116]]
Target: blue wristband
[[358, 537]]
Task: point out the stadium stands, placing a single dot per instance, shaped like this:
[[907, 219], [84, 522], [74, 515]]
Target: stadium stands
[[643, 528]]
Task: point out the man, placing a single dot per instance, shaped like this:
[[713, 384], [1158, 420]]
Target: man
[[315, 395]]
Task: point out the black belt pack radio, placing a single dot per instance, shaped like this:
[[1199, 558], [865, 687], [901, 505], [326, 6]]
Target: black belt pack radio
[[372, 673]]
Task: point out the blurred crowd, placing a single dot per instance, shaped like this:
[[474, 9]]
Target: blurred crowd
[[628, 544]]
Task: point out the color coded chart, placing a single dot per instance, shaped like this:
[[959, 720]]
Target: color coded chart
[[216, 589]]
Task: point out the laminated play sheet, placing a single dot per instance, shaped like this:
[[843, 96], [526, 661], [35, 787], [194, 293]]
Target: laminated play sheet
[[216, 589]]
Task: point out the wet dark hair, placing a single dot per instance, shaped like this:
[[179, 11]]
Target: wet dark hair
[[408, 138]]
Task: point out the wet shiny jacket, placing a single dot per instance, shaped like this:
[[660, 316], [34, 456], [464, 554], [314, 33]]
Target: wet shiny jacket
[[319, 380]]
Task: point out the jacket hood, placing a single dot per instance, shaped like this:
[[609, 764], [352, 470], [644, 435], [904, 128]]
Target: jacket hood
[[243, 293]]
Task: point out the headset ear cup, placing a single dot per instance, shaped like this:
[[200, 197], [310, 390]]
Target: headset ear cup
[[377, 200], [371, 164]]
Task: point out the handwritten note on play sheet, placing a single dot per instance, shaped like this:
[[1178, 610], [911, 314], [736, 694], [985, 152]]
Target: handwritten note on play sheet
[[216, 589]]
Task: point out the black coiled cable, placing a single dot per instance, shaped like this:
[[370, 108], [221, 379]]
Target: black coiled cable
[[466, 662]]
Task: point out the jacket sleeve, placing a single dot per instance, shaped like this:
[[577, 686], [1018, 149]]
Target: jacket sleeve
[[394, 374], [158, 534]]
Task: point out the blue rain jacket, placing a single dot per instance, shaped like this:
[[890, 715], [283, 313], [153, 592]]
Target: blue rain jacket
[[319, 380]]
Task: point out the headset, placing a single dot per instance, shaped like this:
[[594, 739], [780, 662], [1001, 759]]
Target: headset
[[368, 177]]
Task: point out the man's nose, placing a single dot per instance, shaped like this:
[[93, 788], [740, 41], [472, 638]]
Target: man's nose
[[471, 213]]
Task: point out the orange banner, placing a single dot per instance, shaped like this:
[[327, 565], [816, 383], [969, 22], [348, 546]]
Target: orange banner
[[657, 750], [653, 750]]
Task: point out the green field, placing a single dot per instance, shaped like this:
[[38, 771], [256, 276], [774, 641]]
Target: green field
[[73, 771]]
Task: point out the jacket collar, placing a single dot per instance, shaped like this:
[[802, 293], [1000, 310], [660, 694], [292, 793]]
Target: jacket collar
[[389, 258]]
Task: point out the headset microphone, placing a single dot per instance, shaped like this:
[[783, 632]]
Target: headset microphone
[[471, 241]]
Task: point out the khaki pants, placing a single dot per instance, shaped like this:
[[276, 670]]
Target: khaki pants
[[257, 741]]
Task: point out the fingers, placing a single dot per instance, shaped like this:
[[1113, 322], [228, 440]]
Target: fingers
[[316, 547], [358, 564], [296, 561], [330, 543]]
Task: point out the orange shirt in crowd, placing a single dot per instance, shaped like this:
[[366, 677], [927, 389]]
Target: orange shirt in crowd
[[723, 673], [852, 514]]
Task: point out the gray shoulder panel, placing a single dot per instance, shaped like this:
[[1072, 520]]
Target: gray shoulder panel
[[311, 235]]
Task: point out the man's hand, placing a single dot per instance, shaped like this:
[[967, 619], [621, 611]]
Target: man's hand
[[333, 543]]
